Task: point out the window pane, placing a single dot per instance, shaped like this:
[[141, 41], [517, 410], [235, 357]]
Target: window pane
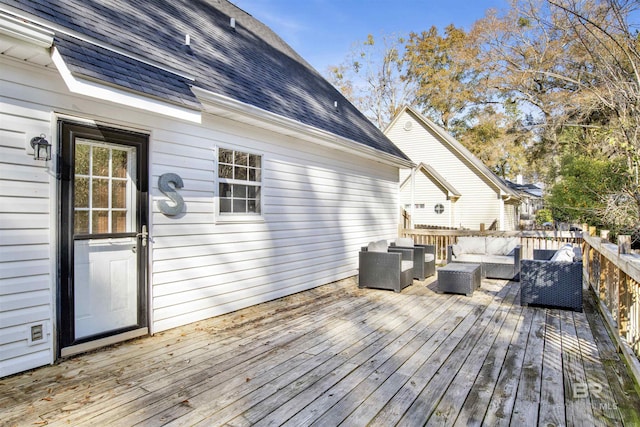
[[241, 158], [81, 193], [81, 222], [253, 192], [100, 193], [240, 173], [225, 190], [100, 222], [119, 194], [225, 171], [254, 161], [240, 191], [100, 161], [119, 164], [253, 206], [239, 206], [225, 156], [119, 222], [225, 205], [82, 160]]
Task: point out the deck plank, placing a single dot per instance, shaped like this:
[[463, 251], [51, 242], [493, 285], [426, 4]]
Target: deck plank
[[526, 405], [339, 354], [577, 397], [552, 400]]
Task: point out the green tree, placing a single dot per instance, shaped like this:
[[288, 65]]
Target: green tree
[[584, 189]]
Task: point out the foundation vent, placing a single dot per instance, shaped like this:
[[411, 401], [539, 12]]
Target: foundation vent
[[36, 334]]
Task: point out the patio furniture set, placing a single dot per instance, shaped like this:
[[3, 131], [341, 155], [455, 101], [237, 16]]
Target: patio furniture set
[[553, 278]]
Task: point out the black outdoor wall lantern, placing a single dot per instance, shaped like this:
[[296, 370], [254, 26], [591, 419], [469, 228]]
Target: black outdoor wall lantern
[[41, 148]]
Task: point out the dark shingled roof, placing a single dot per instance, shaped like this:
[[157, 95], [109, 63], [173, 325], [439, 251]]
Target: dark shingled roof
[[250, 63]]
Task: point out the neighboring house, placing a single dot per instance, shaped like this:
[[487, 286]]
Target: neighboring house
[[198, 166], [450, 187], [532, 200]]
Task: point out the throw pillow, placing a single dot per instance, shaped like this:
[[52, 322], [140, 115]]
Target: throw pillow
[[564, 254]]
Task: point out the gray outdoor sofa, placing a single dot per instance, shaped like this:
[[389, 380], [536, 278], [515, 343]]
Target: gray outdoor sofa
[[384, 267], [552, 283], [499, 257]]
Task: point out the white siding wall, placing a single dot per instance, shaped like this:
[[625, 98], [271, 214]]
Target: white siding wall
[[320, 206], [25, 241], [427, 194], [510, 218], [479, 203]]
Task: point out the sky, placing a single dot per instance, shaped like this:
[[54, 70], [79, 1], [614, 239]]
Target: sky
[[324, 31]]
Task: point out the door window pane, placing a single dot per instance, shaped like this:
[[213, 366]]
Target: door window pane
[[119, 194], [104, 194], [82, 159], [99, 222], [119, 222], [81, 222], [100, 193], [100, 161], [81, 199], [119, 163]]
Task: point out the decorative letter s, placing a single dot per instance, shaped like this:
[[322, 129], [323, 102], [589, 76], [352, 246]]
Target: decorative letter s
[[163, 185]]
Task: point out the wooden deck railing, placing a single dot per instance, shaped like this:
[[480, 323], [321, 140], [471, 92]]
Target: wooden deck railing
[[614, 278], [529, 240]]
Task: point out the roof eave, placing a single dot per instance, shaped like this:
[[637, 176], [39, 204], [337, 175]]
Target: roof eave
[[25, 31], [95, 89], [224, 106]]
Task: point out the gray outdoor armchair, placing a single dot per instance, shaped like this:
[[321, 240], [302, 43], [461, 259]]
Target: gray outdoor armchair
[[551, 283], [383, 267], [424, 257]]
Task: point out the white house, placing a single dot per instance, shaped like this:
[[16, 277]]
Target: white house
[[198, 166], [449, 187]]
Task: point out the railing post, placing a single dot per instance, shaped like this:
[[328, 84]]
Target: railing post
[[624, 244]]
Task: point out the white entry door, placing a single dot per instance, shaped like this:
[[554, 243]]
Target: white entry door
[[106, 271], [104, 205]]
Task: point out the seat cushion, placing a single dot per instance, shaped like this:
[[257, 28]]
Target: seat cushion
[[429, 257], [473, 258], [406, 265], [498, 259]]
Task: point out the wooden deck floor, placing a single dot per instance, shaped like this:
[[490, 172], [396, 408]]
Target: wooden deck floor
[[340, 355]]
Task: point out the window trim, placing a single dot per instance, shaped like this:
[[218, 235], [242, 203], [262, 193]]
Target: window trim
[[230, 217]]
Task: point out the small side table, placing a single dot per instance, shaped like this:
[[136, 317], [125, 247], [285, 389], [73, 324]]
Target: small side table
[[459, 278]]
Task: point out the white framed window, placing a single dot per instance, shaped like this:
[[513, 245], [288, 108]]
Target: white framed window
[[239, 184]]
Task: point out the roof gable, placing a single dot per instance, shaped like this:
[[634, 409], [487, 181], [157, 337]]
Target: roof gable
[[437, 179], [140, 45], [454, 145]]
